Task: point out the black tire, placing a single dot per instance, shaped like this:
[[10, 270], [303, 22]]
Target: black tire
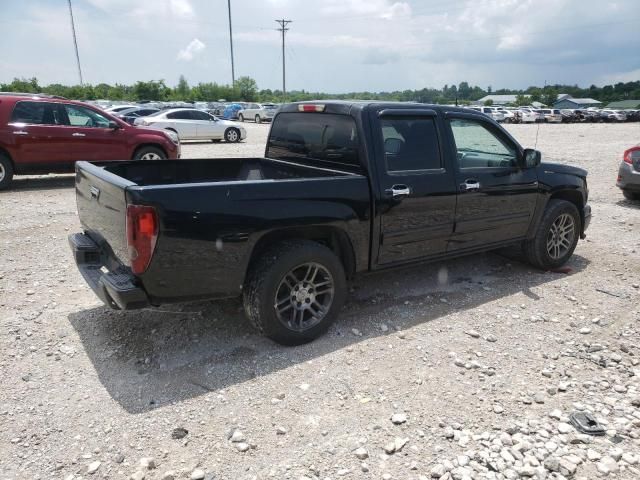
[[241, 117], [266, 278], [258, 119], [215, 140], [536, 250], [626, 193], [6, 172], [149, 153], [232, 135]]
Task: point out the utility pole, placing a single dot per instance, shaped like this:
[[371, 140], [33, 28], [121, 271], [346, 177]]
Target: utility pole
[[75, 42], [283, 28], [233, 73]]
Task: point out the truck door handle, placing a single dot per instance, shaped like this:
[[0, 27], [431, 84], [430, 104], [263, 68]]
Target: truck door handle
[[398, 191], [20, 132], [470, 184], [78, 134]]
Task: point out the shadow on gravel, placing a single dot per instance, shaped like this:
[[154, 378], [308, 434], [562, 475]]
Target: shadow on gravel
[[629, 204], [156, 357], [42, 183]]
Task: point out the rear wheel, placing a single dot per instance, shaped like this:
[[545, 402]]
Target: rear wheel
[[557, 236], [295, 291], [631, 195], [6, 172], [241, 117], [258, 119], [149, 153], [232, 135]]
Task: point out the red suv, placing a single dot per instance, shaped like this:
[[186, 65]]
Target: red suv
[[42, 134]]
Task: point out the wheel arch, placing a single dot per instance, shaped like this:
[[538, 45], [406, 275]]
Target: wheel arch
[[6, 153], [336, 239], [148, 144]]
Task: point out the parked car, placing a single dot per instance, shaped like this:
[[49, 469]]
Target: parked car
[[344, 188], [119, 108], [231, 111], [588, 116], [568, 116], [529, 115], [42, 134], [130, 114], [612, 116], [510, 116], [259, 112], [193, 124], [629, 174], [551, 115], [490, 112]]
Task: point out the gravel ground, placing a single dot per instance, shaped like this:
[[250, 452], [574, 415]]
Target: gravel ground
[[465, 369]]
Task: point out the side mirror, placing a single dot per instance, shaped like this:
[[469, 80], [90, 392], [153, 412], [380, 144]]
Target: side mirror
[[114, 125], [532, 158]]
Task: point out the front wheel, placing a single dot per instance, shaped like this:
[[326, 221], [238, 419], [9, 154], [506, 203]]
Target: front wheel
[[149, 153], [232, 135], [294, 291], [557, 236]]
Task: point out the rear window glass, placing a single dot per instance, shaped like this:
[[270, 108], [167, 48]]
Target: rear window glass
[[328, 140]]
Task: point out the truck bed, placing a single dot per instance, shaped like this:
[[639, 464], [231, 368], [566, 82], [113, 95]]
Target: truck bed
[[211, 213], [171, 172]]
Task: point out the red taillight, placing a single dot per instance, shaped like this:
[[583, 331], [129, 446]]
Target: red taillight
[[631, 155], [307, 107], [142, 234]]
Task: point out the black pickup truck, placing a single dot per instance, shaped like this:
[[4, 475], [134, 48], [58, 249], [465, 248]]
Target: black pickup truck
[[344, 188]]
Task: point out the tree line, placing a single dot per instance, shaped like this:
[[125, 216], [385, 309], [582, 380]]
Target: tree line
[[246, 89]]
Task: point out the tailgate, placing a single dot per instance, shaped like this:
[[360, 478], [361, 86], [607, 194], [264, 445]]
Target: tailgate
[[102, 207]]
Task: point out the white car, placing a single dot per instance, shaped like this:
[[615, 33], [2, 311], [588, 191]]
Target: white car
[[551, 115], [192, 124], [490, 112], [119, 108], [509, 115], [529, 115], [259, 112], [613, 116]]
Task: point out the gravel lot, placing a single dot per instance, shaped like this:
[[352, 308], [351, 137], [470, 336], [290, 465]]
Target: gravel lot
[[465, 369]]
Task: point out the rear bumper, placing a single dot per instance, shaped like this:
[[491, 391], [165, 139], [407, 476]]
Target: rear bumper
[[117, 288], [628, 178]]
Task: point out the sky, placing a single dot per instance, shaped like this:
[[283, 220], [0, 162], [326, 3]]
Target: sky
[[332, 46]]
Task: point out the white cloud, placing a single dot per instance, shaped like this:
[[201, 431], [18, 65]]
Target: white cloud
[[190, 51], [146, 10], [630, 76]]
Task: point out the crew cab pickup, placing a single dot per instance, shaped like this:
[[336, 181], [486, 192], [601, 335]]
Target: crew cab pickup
[[344, 188]]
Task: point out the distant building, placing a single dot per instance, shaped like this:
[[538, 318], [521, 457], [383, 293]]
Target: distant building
[[624, 104], [573, 103], [498, 99]]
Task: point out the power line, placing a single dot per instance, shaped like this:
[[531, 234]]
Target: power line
[[75, 41], [233, 72], [283, 28]]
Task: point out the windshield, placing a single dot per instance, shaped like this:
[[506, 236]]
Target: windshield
[[329, 140]]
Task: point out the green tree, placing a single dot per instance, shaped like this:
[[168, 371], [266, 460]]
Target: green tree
[[182, 90], [549, 96], [151, 90], [488, 103], [247, 88]]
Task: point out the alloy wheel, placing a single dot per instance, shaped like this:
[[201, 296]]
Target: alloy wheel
[[150, 156], [561, 235], [304, 296], [2, 172]]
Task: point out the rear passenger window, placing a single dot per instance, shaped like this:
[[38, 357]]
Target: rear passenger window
[[410, 143], [182, 115], [30, 112]]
